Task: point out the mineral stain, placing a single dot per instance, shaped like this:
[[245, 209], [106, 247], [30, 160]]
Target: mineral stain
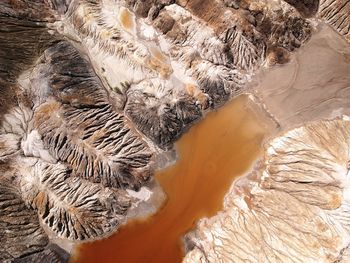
[[126, 19], [211, 155]]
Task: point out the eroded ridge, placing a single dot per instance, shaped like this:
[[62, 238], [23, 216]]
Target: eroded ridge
[[72, 208], [294, 208], [24, 239], [82, 128], [68, 154], [180, 56], [337, 14]]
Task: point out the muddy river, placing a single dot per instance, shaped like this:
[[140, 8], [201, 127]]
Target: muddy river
[[212, 154]]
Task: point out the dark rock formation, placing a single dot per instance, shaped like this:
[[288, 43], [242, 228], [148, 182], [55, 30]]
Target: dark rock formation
[[96, 143], [20, 230], [162, 119], [72, 208], [307, 8], [71, 79], [23, 37], [83, 129], [51, 254]]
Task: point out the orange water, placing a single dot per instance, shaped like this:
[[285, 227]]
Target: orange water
[[211, 155]]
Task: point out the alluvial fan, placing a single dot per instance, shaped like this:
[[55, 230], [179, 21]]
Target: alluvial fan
[[294, 209]]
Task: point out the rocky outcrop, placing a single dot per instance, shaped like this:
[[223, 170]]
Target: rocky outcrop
[[307, 8], [184, 49], [294, 208], [83, 129], [21, 42], [21, 233], [52, 254], [163, 118], [67, 152], [72, 208]]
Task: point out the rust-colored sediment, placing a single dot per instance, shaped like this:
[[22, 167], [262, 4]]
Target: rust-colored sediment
[[211, 155], [126, 19]]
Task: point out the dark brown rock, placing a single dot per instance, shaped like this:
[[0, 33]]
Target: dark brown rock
[[71, 77], [165, 121], [20, 230], [96, 143], [307, 8], [51, 254], [72, 208], [164, 23]]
